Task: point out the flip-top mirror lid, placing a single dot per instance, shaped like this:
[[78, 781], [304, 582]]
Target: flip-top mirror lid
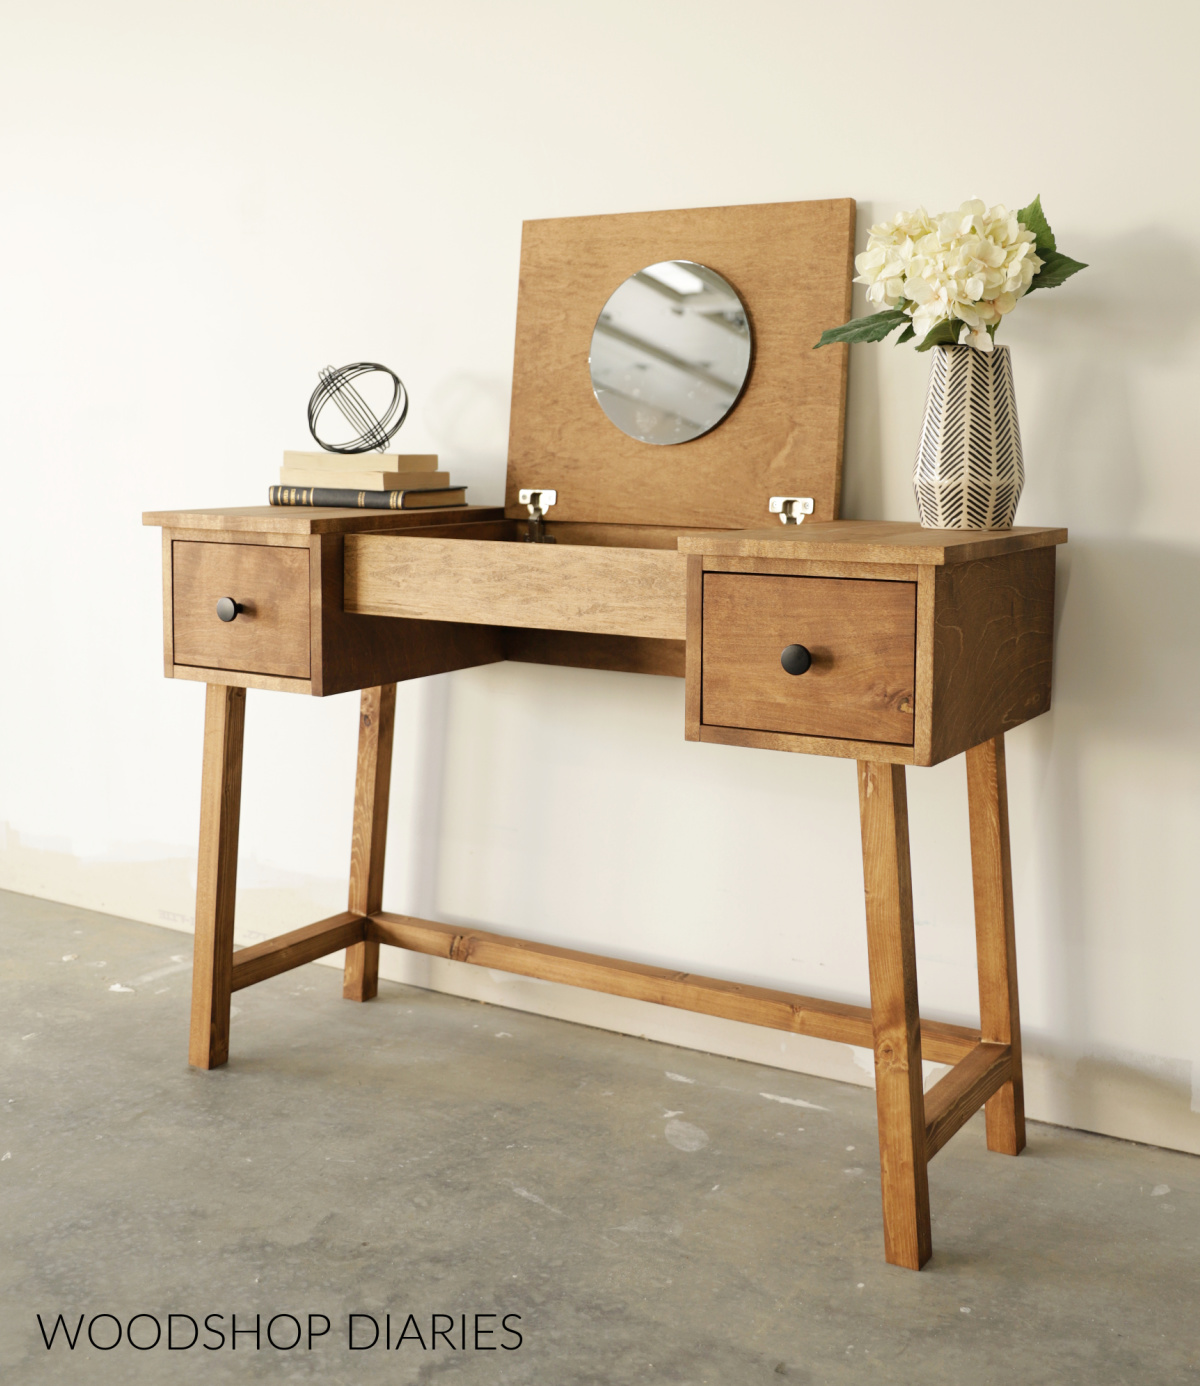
[[791, 265]]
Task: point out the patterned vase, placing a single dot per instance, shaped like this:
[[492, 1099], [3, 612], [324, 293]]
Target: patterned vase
[[969, 471]]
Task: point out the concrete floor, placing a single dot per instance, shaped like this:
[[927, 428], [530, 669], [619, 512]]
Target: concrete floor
[[649, 1213]]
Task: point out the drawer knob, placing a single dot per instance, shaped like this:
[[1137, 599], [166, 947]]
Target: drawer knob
[[796, 659], [227, 610]]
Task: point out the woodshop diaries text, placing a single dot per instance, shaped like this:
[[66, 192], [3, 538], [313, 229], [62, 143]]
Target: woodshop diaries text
[[285, 1332]]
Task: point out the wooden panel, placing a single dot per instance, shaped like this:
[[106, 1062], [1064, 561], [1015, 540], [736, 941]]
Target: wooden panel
[[168, 606], [801, 567], [923, 724], [873, 541], [281, 954], [808, 745], [610, 591], [993, 646], [357, 651], [862, 638], [313, 519], [216, 875], [505, 530], [270, 636], [892, 957], [267, 682], [372, 787], [240, 536], [955, 1098], [995, 936], [623, 654], [791, 265], [614, 536], [695, 648], [778, 1010]]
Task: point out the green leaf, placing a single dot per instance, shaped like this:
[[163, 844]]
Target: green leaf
[[873, 328], [907, 335], [1034, 219], [1058, 268], [944, 334]]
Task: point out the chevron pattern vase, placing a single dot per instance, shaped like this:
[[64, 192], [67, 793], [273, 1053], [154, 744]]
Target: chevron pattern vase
[[969, 471]]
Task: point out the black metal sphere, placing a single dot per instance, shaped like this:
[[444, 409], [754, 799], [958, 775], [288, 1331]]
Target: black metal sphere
[[337, 388]]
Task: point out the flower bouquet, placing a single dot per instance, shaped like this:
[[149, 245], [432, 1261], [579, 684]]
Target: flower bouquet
[[947, 281]]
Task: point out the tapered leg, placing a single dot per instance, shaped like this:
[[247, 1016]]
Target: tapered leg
[[377, 716], [995, 939], [883, 806], [216, 886]]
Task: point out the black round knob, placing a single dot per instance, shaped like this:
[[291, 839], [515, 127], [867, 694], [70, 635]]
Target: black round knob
[[227, 608], [796, 659]]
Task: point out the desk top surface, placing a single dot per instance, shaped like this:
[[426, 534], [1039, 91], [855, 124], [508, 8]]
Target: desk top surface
[[872, 541], [847, 541], [312, 519]]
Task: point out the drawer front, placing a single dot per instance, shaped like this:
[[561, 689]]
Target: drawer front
[[269, 635], [860, 633]]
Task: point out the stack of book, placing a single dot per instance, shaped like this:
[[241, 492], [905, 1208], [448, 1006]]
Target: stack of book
[[368, 481]]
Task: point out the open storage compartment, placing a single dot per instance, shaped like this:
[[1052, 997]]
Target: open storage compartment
[[610, 590]]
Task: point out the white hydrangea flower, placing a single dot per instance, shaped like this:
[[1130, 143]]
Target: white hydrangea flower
[[969, 266]]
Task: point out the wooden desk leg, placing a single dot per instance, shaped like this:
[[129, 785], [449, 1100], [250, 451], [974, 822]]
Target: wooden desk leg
[[891, 948], [376, 721], [995, 938], [216, 885]]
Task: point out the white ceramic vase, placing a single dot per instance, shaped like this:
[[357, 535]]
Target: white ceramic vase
[[969, 471]]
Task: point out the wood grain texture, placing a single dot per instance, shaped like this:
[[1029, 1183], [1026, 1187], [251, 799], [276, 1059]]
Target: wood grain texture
[[801, 567], [808, 745], [353, 651], [270, 636], [873, 541], [216, 875], [891, 952], [923, 722], [614, 536], [862, 638], [240, 536], [955, 1098], [622, 654], [995, 936], [790, 264], [168, 606], [268, 682], [281, 954], [608, 591], [695, 649], [778, 1010], [311, 519], [372, 788], [505, 531], [993, 648]]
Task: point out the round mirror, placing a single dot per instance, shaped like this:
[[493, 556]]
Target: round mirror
[[670, 352]]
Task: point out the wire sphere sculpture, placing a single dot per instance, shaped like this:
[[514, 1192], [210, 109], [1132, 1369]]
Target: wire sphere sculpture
[[374, 432]]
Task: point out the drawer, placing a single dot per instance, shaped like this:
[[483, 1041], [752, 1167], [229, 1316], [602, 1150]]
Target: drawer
[[270, 635], [860, 633]]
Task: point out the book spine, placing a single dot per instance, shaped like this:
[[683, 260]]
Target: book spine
[[343, 497], [339, 496]]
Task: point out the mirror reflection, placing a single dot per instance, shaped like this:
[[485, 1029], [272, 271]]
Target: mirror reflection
[[670, 352]]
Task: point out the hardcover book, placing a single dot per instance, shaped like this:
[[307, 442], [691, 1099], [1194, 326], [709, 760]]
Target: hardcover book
[[362, 480], [423, 498], [362, 461]]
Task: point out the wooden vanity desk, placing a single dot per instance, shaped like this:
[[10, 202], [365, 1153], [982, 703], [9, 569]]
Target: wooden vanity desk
[[916, 645]]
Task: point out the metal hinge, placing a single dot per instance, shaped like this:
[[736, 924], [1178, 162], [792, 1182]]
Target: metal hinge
[[537, 502], [790, 509]]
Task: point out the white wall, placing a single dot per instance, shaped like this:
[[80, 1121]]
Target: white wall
[[203, 204]]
